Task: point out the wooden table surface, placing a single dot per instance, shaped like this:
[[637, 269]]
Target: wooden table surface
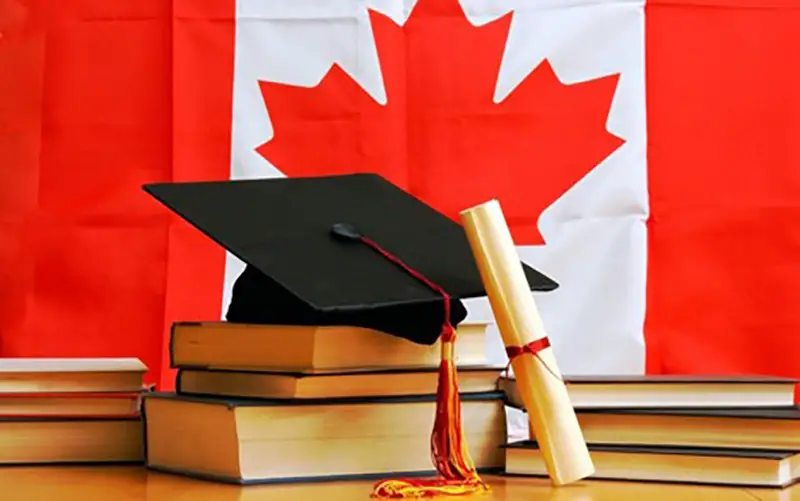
[[137, 484]]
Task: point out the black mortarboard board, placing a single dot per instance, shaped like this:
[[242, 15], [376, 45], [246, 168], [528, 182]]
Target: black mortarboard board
[[301, 271]]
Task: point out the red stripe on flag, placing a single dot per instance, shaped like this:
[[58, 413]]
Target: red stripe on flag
[[724, 176], [90, 264], [204, 34], [203, 48]]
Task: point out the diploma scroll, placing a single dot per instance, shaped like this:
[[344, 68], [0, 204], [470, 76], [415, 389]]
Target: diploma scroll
[[539, 381]]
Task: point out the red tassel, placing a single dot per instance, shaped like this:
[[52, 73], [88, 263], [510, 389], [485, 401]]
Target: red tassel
[[448, 445], [449, 451]]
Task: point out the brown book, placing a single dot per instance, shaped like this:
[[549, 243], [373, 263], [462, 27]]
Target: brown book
[[297, 348], [660, 391], [73, 404], [261, 441], [693, 465], [64, 440], [388, 382], [765, 428], [57, 375]]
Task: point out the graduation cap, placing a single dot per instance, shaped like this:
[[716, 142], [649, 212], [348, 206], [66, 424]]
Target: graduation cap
[[302, 240], [351, 250]]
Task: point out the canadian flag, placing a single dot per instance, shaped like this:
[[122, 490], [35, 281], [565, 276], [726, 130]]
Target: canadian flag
[[647, 157]]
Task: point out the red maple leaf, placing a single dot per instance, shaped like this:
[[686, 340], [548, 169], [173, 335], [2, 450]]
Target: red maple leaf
[[440, 136]]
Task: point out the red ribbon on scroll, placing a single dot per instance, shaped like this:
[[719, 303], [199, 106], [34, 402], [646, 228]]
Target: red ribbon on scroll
[[533, 348]]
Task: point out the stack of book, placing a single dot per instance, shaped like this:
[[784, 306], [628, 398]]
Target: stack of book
[[71, 411], [741, 430], [270, 403]]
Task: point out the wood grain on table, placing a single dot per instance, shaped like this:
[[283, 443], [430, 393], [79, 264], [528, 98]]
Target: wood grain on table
[[138, 484]]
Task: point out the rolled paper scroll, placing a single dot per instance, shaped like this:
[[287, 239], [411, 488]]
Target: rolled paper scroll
[[539, 380]]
